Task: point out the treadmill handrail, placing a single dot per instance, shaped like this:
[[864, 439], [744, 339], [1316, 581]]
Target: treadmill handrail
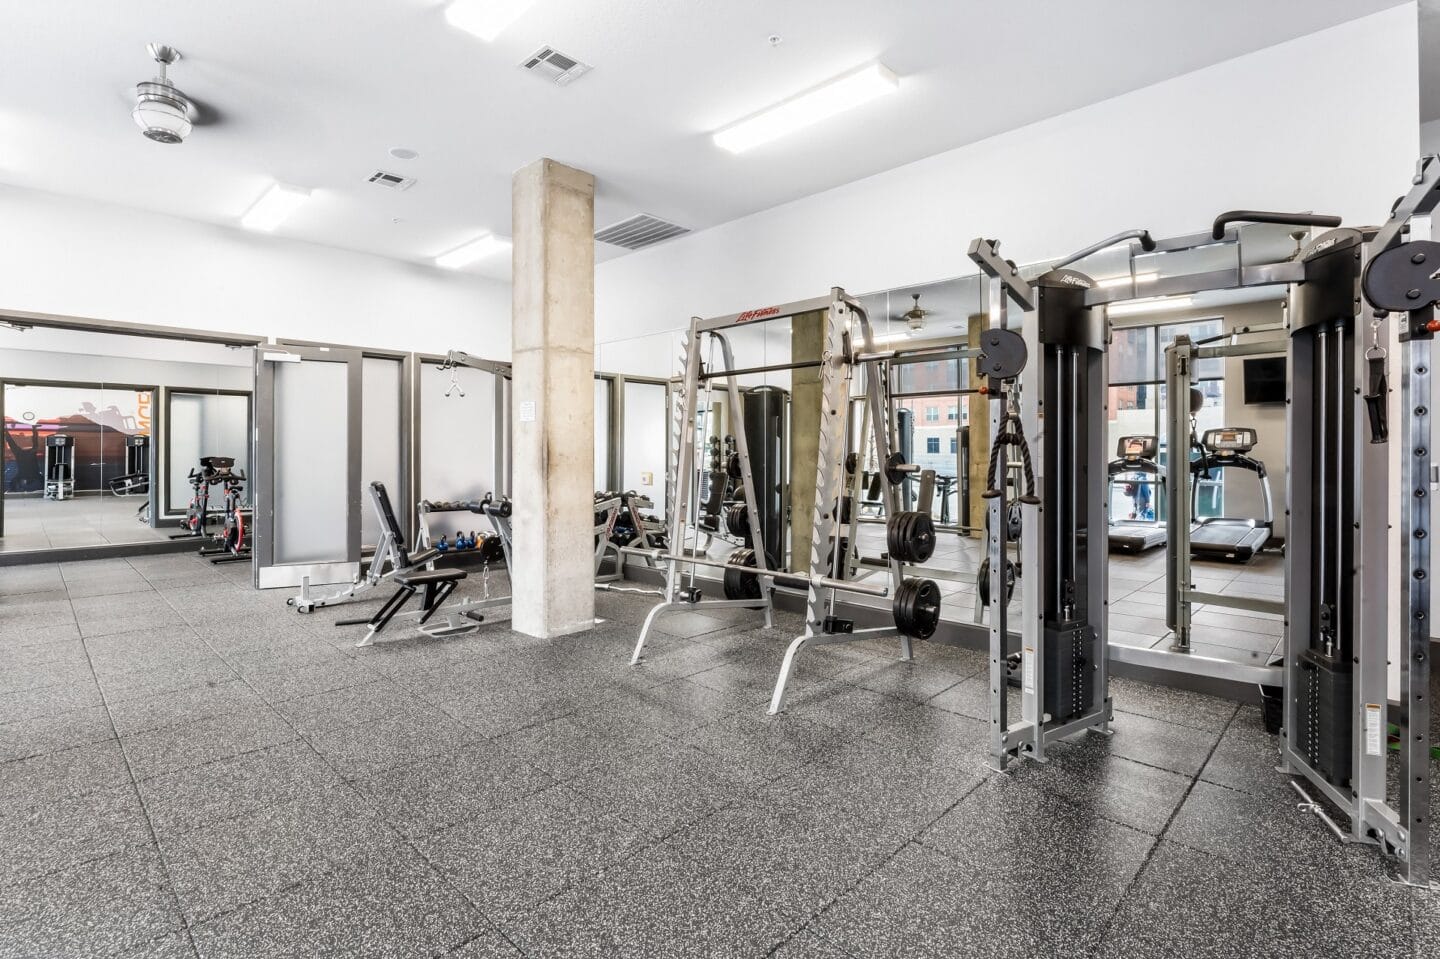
[[1118, 467]]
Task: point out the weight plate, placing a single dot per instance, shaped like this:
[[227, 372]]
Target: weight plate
[[739, 584], [732, 465], [893, 463], [917, 608]]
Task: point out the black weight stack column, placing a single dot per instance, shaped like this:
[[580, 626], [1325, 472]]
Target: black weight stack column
[[1072, 488], [765, 434], [1321, 538]]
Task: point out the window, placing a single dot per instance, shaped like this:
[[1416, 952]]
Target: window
[[954, 444], [951, 413], [932, 414], [1138, 407], [932, 444]]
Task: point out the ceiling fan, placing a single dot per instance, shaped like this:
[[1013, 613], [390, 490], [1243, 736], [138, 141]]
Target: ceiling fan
[[915, 317], [163, 112]]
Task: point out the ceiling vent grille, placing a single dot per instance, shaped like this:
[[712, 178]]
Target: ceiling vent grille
[[392, 181], [640, 231], [554, 65]]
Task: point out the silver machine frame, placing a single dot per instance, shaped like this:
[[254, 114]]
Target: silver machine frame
[[1181, 362], [846, 325], [1339, 270], [1062, 399]]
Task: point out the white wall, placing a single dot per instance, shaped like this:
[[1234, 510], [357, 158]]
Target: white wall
[[1245, 133], [81, 258]]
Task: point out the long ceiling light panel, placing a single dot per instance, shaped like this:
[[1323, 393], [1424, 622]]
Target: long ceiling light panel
[[1150, 306], [472, 252], [486, 19], [843, 93], [273, 207]]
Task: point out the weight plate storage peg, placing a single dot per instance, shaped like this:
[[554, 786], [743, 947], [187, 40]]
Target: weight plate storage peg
[[739, 584], [910, 536], [917, 608]]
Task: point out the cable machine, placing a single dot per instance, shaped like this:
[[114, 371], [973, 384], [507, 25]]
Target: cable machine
[[1060, 377]]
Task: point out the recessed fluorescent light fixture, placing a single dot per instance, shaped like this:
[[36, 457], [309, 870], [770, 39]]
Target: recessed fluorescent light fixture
[[1157, 305], [274, 205], [487, 19], [472, 252], [836, 96], [1114, 281]]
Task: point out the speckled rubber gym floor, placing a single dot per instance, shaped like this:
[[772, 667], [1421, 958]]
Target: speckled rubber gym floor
[[188, 767]]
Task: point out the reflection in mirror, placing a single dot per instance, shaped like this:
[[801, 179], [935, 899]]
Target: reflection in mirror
[[87, 459]]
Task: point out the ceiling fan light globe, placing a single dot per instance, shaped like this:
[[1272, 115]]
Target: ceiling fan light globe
[[162, 113]]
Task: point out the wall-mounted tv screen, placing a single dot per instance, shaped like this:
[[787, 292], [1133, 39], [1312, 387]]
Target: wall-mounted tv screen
[[1265, 380]]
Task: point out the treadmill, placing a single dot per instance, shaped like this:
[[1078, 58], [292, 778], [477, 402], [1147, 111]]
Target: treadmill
[[1135, 457], [1226, 537]]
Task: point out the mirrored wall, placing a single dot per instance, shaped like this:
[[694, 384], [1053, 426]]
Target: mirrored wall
[[101, 430]]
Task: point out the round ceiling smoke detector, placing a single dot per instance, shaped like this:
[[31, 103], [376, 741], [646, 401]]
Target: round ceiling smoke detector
[[774, 39], [162, 112], [403, 153]]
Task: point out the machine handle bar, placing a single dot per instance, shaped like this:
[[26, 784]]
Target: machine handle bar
[[1261, 216]]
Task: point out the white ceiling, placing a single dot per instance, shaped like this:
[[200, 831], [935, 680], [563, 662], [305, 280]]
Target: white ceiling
[[314, 94]]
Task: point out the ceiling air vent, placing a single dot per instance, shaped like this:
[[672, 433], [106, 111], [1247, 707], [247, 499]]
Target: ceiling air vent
[[640, 231], [554, 65], [393, 181]]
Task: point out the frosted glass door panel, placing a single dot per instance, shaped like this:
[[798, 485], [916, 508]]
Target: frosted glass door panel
[[457, 435], [646, 432], [311, 448], [381, 437]]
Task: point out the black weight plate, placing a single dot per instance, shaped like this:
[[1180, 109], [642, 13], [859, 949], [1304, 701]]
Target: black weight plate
[[1403, 278], [852, 461], [739, 584], [917, 608], [922, 538], [893, 462], [732, 465]]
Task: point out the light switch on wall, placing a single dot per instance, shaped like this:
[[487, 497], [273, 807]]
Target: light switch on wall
[[647, 479]]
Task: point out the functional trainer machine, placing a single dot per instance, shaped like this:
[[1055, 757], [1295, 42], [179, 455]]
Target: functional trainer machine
[[1356, 282], [1135, 463], [1058, 371]]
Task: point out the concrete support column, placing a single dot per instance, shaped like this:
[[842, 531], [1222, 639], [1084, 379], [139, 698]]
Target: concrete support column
[[552, 331], [807, 342], [979, 407]]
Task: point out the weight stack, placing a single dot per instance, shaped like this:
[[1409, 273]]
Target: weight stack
[[765, 435], [1324, 716], [1071, 651]]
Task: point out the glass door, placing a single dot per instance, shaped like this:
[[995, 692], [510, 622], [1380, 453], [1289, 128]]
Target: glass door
[[308, 465]]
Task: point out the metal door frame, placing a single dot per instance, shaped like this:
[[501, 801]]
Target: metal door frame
[[269, 574]]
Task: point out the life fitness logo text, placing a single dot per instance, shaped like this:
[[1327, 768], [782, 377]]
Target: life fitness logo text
[[751, 315]]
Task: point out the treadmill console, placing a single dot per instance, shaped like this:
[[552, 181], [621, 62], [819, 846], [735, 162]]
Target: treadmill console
[[1229, 440], [1132, 448]]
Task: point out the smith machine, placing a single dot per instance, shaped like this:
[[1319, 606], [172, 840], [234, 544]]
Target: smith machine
[[752, 576], [1059, 403]]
